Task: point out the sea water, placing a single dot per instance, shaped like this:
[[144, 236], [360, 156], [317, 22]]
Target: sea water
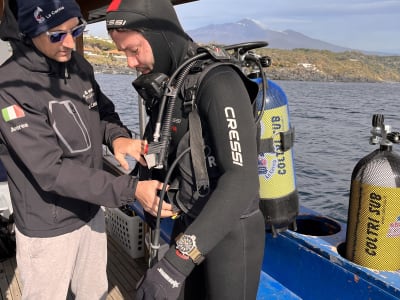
[[332, 123]]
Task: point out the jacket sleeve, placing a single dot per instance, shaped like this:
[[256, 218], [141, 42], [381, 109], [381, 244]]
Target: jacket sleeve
[[36, 156], [224, 103]]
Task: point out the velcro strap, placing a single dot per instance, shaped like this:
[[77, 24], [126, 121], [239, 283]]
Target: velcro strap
[[286, 142], [197, 151]]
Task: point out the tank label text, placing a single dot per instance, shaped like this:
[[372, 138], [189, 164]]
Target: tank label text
[[373, 224]]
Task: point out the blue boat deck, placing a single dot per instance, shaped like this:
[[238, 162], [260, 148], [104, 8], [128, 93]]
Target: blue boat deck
[[313, 266], [308, 264], [297, 265]]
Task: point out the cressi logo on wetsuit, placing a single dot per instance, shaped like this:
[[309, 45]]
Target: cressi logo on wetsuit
[[234, 138]]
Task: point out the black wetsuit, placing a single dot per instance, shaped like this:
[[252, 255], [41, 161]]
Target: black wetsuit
[[230, 228], [227, 223]]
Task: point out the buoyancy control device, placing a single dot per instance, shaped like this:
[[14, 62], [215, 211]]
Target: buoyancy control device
[[373, 230], [279, 201]]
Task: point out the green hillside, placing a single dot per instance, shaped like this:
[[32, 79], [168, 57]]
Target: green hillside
[[317, 65], [298, 64]]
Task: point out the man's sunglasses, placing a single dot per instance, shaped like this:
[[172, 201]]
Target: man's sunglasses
[[58, 36]]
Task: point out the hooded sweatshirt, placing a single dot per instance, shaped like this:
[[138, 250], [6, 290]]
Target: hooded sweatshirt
[[53, 124], [223, 101]]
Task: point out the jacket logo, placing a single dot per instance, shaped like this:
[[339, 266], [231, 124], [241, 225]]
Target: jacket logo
[[87, 95], [19, 127], [12, 112]]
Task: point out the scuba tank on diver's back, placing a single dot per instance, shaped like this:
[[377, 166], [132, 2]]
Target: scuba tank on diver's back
[[373, 230], [278, 193], [279, 200]]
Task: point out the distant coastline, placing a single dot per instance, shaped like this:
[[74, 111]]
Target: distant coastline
[[296, 64], [301, 65], [327, 66]]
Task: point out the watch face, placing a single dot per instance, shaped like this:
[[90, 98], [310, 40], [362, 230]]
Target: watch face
[[185, 244]]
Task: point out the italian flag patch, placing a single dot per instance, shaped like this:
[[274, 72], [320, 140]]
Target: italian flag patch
[[12, 112]]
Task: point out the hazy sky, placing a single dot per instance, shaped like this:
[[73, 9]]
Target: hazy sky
[[372, 25]]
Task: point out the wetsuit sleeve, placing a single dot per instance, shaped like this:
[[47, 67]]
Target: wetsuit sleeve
[[224, 105]]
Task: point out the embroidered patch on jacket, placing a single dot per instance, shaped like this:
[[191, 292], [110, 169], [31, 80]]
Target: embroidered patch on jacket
[[12, 112]]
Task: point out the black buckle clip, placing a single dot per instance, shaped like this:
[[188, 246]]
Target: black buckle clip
[[189, 103]]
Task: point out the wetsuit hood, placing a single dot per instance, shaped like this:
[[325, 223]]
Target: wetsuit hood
[[158, 22]]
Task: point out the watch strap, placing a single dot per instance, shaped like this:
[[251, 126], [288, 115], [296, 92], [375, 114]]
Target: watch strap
[[196, 256]]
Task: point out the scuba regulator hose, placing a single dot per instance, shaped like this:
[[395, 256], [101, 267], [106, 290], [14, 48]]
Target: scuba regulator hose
[[264, 92], [242, 52], [155, 242], [172, 92], [164, 143]]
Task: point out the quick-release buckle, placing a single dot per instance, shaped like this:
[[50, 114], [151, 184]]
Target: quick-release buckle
[[189, 102], [203, 190]]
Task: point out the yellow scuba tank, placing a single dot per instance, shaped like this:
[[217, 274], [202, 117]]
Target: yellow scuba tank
[[279, 201], [278, 193], [373, 230]]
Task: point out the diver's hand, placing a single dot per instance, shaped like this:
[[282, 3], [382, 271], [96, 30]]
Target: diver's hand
[[147, 194], [125, 146], [162, 282]]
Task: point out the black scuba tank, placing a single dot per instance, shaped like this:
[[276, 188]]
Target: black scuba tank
[[373, 232]]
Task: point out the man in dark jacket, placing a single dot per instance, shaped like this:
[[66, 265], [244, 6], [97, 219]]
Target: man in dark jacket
[[53, 124], [218, 239]]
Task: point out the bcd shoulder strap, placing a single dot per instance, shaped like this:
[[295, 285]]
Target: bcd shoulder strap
[[189, 91]]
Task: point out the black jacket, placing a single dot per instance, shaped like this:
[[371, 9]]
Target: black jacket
[[54, 121]]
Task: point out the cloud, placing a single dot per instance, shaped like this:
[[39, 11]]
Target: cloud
[[337, 8], [358, 24]]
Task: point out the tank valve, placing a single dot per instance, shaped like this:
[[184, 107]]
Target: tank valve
[[265, 61], [382, 134], [394, 137]]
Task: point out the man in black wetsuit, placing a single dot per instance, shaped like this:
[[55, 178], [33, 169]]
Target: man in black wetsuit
[[219, 236]]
